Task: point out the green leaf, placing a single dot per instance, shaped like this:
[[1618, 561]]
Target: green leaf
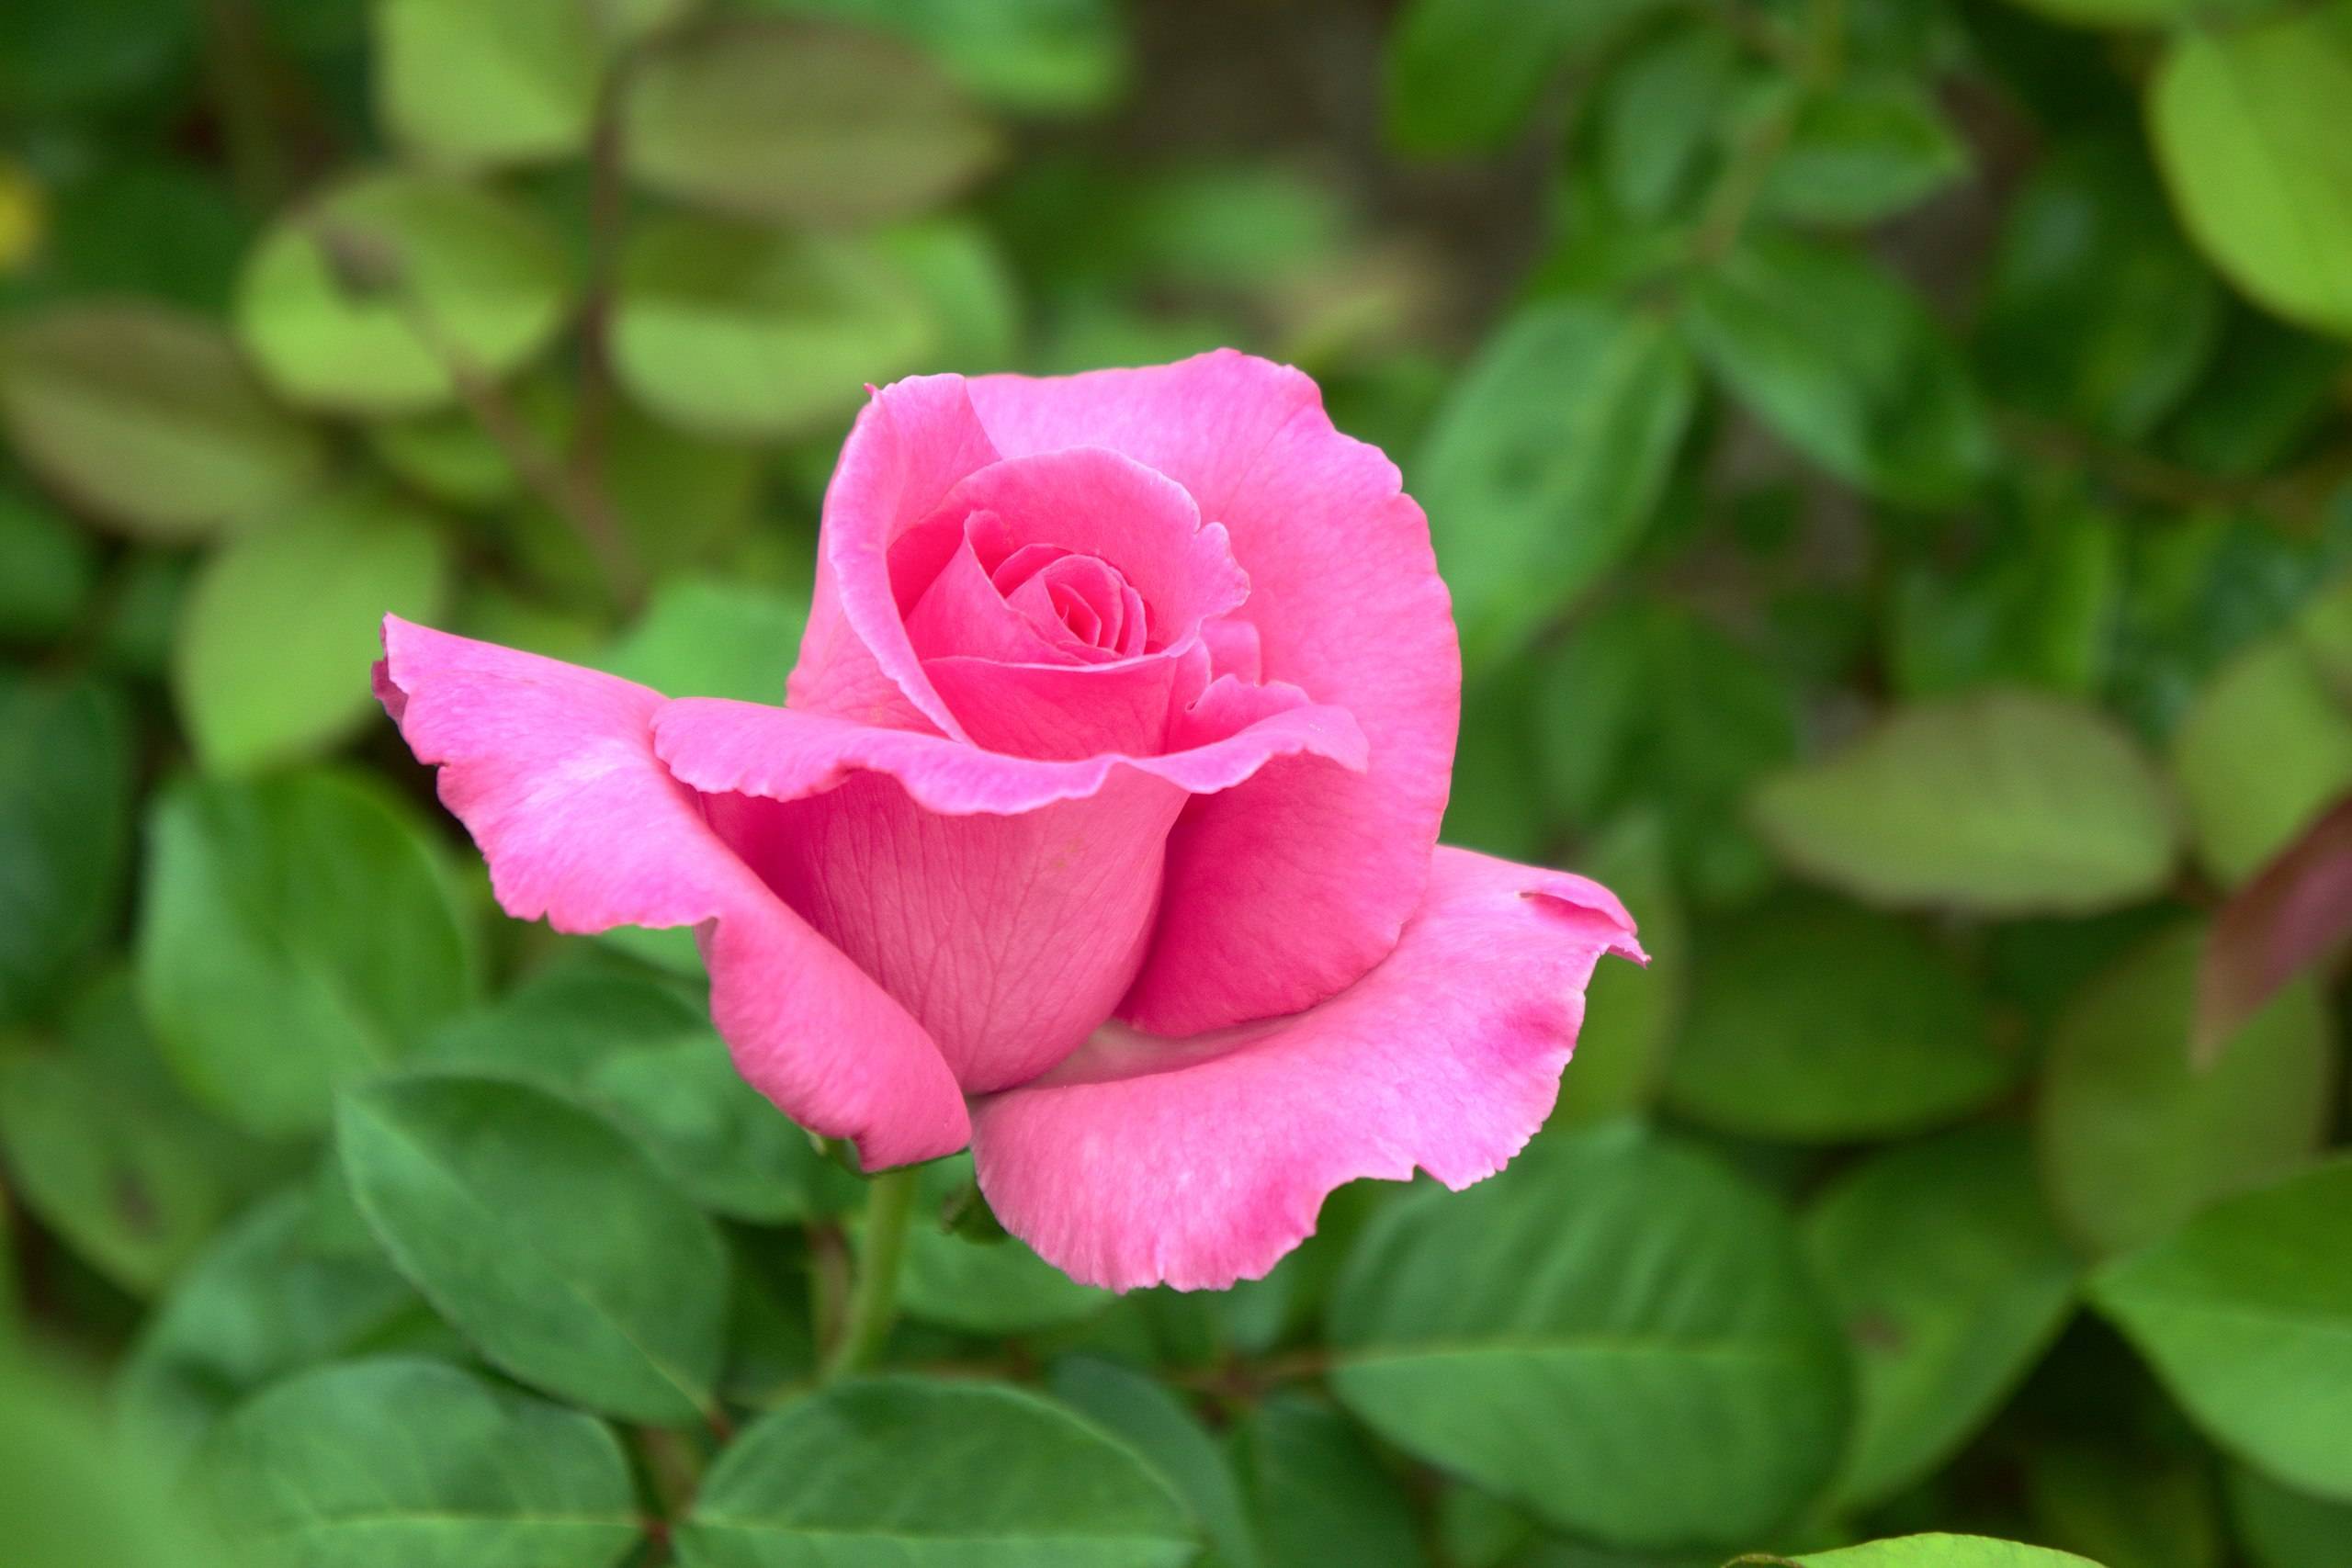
[[1463, 73], [2248, 124], [105, 1151], [47, 569], [264, 1301], [374, 298], [1953, 1280], [1631, 1018], [801, 122], [157, 228], [1862, 152], [1660, 113], [66, 790], [736, 330], [297, 934], [991, 1288], [2285, 1529], [642, 1051], [2135, 1136], [967, 286], [281, 625], [1829, 1024], [54, 60], [1042, 56], [1007, 1479], [2039, 610], [417, 1464], [1547, 460], [2097, 312], [1998, 803], [1842, 361], [146, 418], [705, 637], [2122, 1499], [1502, 1334], [76, 1495], [545, 1237], [2264, 747], [2245, 1312], [1154, 1422], [1945, 1552], [466, 84], [1321, 1497]]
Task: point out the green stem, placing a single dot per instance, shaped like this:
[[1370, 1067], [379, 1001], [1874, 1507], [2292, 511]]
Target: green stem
[[874, 1299]]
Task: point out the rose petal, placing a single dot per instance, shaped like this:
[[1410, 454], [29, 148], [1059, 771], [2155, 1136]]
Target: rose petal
[[1010, 939], [551, 768], [962, 611], [1283, 892], [1199, 1162], [1061, 710]]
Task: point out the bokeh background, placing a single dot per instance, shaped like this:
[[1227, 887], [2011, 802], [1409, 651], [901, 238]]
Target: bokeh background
[[1891, 459]]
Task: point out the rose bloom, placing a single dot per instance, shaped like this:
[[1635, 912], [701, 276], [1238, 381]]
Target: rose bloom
[[1098, 830]]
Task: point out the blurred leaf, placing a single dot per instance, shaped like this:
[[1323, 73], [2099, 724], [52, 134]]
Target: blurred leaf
[[1862, 152], [2246, 1314], [2270, 387], [1631, 1016], [295, 934], [47, 570], [282, 623], [66, 775], [1944, 1551], [416, 1464], [804, 122], [1007, 1478], [1660, 110], [446, 453], [465, 82], [1953, 1280], [139, 611], [642, 1051], [2248, 124], [1321, 1496], [1155, 1424], [161, 229], [545, 1237], [262, 1302], [76, 1495], [145, 418], [967, 287], [1502, 1334], [2113, 13], [2096, 313], [1043, 57], [2134, 1504], [105, 1151], [1463, 73], [704, 637], [1831, 1024], [1545, 463], [2001, 803], [2275, 927], [1844, 364], [2285, 1529], [2134, 1136], [734, 330], [73, 57], [2263, 750], [2039, 610], [982, 1288], [376, 297]]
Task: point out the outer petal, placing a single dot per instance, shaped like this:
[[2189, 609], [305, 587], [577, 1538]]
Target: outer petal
[[1199, 1162], [1283, 892], [551, 768]]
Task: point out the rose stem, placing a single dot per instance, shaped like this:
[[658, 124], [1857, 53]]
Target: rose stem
[[873, 1298]]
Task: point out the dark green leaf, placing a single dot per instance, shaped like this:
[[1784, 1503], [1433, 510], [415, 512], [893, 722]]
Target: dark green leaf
[[46, 569], [1463, 73], [982, 1287], [1616, 1332], [1952, 1278], [1659, 112], [1321, 1498], [145, 418], [2246, 1314], [1154, 1423], [1546, 461], [1830, 1025], [2135, 1135], [2000, 803], [1033, 56], [2285, 1529], [1631, 1017], [545, 1237], [1862, 153], [297, 934], [417, 1464], [65, 783], [1006, 1478]]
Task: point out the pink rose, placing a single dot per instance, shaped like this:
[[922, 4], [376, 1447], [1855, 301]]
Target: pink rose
[[1098, 829]]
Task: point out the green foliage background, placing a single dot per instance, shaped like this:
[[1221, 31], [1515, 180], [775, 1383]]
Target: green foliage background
[[1891, 460]]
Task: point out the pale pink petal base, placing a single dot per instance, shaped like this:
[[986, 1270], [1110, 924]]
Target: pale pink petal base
[[1198, 1162], [551, 768]]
